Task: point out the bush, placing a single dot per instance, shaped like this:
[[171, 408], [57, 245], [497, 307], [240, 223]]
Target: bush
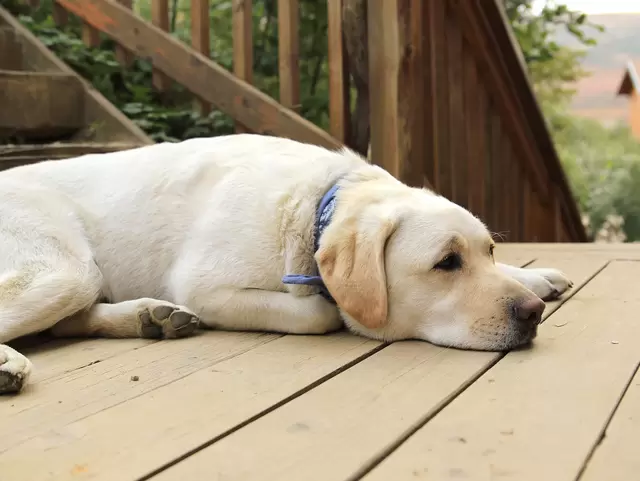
[[603, 165]]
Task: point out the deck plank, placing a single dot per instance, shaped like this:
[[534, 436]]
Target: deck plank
[[350, 419], [627, 251], [60, 356], [56, 402], [616, 458], [133, 438], [536, 414]]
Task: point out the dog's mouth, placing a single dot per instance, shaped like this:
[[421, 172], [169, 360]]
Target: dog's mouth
[[523, 337]]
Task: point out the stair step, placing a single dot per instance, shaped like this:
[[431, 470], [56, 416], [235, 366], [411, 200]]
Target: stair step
[[10, 50], [16, 155], [40, 105]]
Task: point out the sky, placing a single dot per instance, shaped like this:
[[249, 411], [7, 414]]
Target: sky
[[600, 6]]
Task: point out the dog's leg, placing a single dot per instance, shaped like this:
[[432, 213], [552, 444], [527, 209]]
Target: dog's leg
[[147, 318], [260, 310], [547, 284], [33, 300]]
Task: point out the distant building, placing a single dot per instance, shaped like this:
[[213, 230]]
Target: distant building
[[630, 87]]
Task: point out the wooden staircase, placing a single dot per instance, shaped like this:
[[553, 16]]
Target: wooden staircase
[[47, 111], [450, 104]]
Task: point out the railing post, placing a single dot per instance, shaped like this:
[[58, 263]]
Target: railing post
[[200, 39], [122, 54], [338, 74], [243, 44], [288, 53], [90, 36], [59, 14], [396, 85], [160, 18]]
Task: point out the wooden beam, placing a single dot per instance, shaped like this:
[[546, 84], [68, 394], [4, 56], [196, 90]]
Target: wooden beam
[[160, 18], [199, 74], [339, 117], [123, 56], [90, 36], [397, 93], [289, 53], [243, 44], [10, 49], [200, 40], [477, 32], [40, 105], [436, 104], [60, 15]]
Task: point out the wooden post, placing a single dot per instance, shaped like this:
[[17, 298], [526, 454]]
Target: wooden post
[[200, 75], [160, 18], [338, 75], [59, 14], [200, 40], [396, 85], [243, 44], [123, 56], [288, 53], [90, 36]]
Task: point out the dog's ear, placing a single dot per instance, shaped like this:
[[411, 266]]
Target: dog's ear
[[351, 263]]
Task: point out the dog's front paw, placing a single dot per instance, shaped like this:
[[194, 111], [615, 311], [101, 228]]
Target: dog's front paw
[[14, 370], [548, 284], [165, 320]]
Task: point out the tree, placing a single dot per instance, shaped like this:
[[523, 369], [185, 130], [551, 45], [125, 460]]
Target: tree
[[553, 68], [603, 164]]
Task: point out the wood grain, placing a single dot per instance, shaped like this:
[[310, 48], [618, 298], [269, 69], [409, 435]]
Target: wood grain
[[289, 53], [348, 419], [61, 400], [536, 414], [242, 18], [160, 18], [131, 436], [616, 456]]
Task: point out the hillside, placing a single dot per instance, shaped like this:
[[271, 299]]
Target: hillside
[[620, 42]]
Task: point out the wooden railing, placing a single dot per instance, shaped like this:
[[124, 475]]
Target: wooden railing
[[447, 97]]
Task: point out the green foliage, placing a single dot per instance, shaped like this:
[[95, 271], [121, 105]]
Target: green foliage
[[170, 116], [602, 164], [167, 117], [553, 68]]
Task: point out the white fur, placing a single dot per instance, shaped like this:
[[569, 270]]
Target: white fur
[[213, 225]]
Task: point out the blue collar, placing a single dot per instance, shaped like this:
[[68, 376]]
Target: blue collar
[[324, 215]]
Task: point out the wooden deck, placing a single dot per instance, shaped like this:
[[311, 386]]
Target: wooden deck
[[249, 406]]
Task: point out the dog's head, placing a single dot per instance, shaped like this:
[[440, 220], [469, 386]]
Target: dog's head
[[403, 263]]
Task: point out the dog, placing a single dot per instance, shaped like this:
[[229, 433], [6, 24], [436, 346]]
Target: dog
[[249, 232]]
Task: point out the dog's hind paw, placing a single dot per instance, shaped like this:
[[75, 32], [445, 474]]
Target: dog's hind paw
[[165, 320], [14, 370]]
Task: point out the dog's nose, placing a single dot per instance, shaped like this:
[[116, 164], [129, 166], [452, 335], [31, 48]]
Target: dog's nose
[[530, 311]]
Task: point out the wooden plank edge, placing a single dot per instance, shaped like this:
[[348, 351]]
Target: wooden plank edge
[[380, 457]]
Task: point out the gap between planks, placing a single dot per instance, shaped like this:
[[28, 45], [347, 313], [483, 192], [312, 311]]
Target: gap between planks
[[614, 456], [353, 419], [62, 422], [536, 417]]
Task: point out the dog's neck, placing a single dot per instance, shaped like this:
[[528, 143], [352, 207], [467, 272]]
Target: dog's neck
[[324, 214]]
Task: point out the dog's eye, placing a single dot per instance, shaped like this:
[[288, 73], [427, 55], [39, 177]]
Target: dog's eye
[[450, 263], [491, 248]]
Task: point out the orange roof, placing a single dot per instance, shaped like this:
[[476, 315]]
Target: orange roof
[[631, 80]]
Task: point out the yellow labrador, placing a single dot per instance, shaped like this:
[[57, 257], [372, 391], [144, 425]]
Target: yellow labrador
[[248, 232]]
